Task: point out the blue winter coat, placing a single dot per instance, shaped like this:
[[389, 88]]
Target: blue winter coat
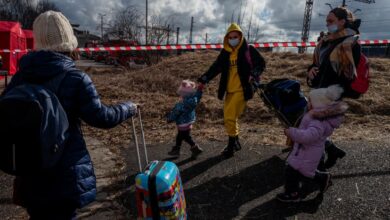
[[73, 181], [184, 111]]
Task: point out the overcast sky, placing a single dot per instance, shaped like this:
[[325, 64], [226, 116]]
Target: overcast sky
[[278, 20]]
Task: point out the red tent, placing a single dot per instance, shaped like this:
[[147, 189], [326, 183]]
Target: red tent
[[29, 39], [11, 37]]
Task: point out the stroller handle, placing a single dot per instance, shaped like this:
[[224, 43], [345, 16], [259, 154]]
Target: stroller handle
[[259, 85]]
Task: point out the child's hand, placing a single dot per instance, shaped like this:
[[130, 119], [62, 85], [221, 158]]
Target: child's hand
[[289, 141], [167, 117], [286, 132], [201, 86]]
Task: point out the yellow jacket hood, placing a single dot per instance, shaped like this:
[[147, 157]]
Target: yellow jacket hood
[[233, 27]]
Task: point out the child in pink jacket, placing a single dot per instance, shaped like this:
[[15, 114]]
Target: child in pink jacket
[[325, 114]]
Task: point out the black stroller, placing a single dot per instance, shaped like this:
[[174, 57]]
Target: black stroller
[[285, 98]]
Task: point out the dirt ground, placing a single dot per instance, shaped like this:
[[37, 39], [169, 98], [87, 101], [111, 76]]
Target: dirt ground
[[242, 187], [154, 87]]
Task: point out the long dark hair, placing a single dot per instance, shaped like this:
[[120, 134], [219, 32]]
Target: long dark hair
[[347, 15]]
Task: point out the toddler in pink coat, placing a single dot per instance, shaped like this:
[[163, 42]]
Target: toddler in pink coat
[[325, 113]]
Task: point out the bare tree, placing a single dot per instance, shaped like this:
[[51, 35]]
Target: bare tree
[[249, 26], [250, 31], [46, 5], [160, 27], [24, 11], [126, 25], [256, 34]]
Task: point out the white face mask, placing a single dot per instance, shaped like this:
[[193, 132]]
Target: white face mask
[[333, 28], [234, 42]]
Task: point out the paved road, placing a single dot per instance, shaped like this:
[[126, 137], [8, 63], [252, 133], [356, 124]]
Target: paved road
[[90, 63], [7, 209], [244, 186]]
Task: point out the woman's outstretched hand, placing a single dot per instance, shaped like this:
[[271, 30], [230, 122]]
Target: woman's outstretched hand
[[312, 72], [201, 86]]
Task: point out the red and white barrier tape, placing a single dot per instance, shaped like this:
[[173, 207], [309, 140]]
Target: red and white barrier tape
[[202, 46]]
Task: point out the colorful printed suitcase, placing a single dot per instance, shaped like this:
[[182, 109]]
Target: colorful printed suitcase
[[158, 188]]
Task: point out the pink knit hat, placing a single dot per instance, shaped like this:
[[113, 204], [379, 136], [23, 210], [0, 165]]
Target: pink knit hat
[[186, 88]]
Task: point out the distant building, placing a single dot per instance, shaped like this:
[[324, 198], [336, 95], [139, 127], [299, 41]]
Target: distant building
[[84, 37]]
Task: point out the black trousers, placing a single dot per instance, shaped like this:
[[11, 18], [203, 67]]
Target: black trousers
[[186, 136], [294, 179], [55, 211]]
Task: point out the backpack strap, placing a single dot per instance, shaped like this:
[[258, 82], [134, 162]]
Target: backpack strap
[[248, 57], [54, 83], [249, 60]]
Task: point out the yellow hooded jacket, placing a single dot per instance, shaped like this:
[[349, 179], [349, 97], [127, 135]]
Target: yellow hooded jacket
[[234, 83]]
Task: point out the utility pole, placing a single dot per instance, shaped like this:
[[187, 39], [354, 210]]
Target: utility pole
[[249, 28], [101, 24], [206, 38], [177, 35], [168, 30], [146, 24], [306, 23], [192, 26]]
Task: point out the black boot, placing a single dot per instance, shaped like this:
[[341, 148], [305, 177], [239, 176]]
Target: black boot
[[175, 151], [228, 151], [334, 153], [321, 165], [324, 180], [237, 146]]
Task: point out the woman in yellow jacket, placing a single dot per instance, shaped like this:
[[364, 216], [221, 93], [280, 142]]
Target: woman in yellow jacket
[[238, 64]]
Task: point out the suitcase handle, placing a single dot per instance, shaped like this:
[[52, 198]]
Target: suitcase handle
[[142, 139]]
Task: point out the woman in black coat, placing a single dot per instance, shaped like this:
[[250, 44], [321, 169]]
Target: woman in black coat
[[335, 60]]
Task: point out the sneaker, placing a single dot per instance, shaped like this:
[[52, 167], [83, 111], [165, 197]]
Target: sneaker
[[289, 197], [175, 151], [196, 150]]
